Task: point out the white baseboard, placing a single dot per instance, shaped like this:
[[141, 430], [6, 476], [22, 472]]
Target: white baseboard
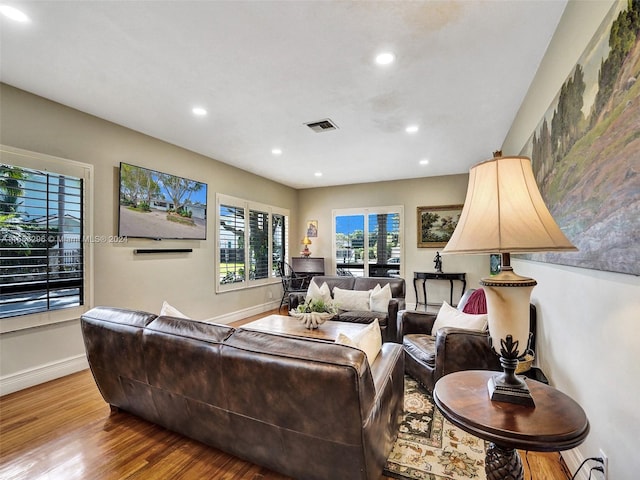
[[42, 373], [573, 459], [247, 312]]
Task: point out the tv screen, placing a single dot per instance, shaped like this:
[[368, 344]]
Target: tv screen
[[161, 206]]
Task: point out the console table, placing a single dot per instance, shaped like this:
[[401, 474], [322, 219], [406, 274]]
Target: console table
[[424, 276], [556, 423], [307, 267]]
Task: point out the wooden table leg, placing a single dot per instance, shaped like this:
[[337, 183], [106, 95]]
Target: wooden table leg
[[503, 463]]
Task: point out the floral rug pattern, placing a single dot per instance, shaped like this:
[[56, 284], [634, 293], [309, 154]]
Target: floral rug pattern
[[429, 447]]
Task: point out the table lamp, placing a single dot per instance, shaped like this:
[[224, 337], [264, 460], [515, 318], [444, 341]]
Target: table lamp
[[503, 213], [306, 242]]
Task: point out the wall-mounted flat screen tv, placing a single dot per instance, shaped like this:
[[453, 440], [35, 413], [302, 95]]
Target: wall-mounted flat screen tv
[[161, 206]]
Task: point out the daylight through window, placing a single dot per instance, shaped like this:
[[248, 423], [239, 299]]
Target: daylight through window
[[252, 239], [41, 241]]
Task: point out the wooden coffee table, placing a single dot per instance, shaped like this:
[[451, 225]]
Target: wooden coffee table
[[556, 422], [286, 325]]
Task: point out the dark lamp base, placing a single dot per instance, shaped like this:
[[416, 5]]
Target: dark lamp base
[[501, 391]]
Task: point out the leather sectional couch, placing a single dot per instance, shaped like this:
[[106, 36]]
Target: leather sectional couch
[[306, 408], [386, 320]]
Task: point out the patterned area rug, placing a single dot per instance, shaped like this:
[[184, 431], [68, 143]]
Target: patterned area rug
[[429, 447]]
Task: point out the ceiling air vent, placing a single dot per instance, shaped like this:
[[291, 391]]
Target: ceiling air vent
[[322, 125]]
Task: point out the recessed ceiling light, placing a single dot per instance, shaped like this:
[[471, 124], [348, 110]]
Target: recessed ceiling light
[[199, 111], [385, 58], [424, 161], [13, 13], [276, 151], [318, 174], [412, 129]]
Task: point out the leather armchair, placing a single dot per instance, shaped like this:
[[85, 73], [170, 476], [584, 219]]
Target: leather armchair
[[428, 358]]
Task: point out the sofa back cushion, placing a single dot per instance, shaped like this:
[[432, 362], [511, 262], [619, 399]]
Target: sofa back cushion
[[345, 283], [283, 381], [397, 285], [113, 341]]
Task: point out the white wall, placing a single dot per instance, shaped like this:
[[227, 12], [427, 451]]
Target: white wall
[[318, 203], [589, 321], [122, 279]]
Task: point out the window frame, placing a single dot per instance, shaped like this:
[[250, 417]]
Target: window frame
[[248, 206], [366, 212], [58, 166]]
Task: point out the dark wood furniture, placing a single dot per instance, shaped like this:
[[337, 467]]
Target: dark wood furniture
[[424, 276], [535, 373], [307, 267], [556, 423]]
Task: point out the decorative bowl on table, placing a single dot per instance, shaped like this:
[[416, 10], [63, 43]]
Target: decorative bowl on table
[[314, 313]]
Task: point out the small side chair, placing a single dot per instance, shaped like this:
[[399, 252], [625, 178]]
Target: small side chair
[[291, 282]]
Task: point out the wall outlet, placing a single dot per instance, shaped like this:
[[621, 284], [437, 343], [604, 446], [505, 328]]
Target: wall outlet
[[605, 465]]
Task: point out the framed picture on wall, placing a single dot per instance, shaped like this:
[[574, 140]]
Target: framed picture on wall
[[312, 228], [436, 225]]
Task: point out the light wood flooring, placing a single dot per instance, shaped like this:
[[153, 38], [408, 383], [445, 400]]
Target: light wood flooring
[[63, 430]]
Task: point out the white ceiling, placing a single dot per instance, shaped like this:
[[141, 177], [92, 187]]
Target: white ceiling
[[264, 68]]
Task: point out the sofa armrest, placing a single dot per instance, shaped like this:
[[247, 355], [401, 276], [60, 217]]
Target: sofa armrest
[[381, 420], [415, 322], [391, 334], [460, 349]]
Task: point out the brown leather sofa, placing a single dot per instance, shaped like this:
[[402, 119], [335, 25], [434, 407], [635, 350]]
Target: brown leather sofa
[[428, 358], [397, 302], [306, 408]]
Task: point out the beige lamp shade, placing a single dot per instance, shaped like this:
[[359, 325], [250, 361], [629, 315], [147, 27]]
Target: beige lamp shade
[[306, 241], [504, 212]]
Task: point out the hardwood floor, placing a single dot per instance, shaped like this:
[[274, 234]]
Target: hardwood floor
[[63, 430]]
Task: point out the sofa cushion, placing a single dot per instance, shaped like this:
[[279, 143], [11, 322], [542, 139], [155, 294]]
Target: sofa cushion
[[351, 299], [452, 317], [380, 297], [397, 285], [421, 347], [362, 316], [171, 311], [314, 292], [476, 304], [369, 340]]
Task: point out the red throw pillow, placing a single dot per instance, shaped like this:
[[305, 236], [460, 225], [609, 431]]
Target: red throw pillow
[[477, 303]]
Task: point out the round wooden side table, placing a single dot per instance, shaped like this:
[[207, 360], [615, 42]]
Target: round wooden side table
[[556, 422]]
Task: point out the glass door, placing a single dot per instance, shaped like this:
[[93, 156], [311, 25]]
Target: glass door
[[368, 242]]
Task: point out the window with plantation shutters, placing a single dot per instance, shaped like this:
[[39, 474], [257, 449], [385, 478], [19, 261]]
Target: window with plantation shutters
[[258, 244], [231, 239], [41, 249], [278, 229], [252, 239], [45, 239]]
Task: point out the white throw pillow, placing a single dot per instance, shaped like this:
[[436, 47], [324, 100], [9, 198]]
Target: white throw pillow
[[169, 311], [318, 293], [380, 297], [452, 317], [369, 340], [351, 299]]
